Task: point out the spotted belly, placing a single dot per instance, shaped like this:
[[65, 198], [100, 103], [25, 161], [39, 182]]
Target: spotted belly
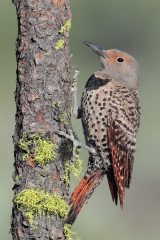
[[95, 119]]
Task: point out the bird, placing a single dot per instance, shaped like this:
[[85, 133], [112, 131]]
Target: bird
[[110, 114]]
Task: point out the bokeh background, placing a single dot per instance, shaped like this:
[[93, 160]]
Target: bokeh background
[[131, 26]]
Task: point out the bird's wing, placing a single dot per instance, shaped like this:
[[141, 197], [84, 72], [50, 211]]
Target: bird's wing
[[122, 130], [122, 159]]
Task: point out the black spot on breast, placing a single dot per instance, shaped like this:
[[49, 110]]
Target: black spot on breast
[[97, 96]]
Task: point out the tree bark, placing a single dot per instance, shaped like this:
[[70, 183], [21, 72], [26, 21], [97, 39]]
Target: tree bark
[[43, 102]]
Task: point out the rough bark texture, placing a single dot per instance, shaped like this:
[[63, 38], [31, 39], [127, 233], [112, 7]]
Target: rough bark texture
[[43, 100]]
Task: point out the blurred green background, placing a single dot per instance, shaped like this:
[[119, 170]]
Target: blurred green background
[[131, 26]]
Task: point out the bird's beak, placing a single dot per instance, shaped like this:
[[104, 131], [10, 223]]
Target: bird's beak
[[96, 49]]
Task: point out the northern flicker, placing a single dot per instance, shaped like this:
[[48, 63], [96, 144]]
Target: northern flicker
[[110, 114]]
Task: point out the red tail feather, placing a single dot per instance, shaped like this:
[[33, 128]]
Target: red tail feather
[[82, 193]]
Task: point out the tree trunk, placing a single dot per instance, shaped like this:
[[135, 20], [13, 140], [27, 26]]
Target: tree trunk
[[43, 101]]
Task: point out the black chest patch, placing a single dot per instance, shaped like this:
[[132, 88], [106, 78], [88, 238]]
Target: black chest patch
[[94, 82]]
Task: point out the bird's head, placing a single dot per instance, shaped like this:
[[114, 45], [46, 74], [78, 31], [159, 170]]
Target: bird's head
[[118, 65]]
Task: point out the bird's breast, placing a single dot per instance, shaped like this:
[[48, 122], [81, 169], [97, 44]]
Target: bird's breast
[[95, 107]]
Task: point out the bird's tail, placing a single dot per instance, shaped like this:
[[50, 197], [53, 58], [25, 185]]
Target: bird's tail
[[82, 193], [112, 186]]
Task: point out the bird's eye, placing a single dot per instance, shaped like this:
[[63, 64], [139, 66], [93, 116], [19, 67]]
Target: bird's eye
[[120, 59]]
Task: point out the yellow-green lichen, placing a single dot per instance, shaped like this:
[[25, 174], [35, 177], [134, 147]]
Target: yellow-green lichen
[[18, 177], [57, 103], [44, 151], [74, 167], [34, 228], [63, 118], [68, 233], [34, 202], [66, 26], [52, 238], [23, 144], [59, 44]]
